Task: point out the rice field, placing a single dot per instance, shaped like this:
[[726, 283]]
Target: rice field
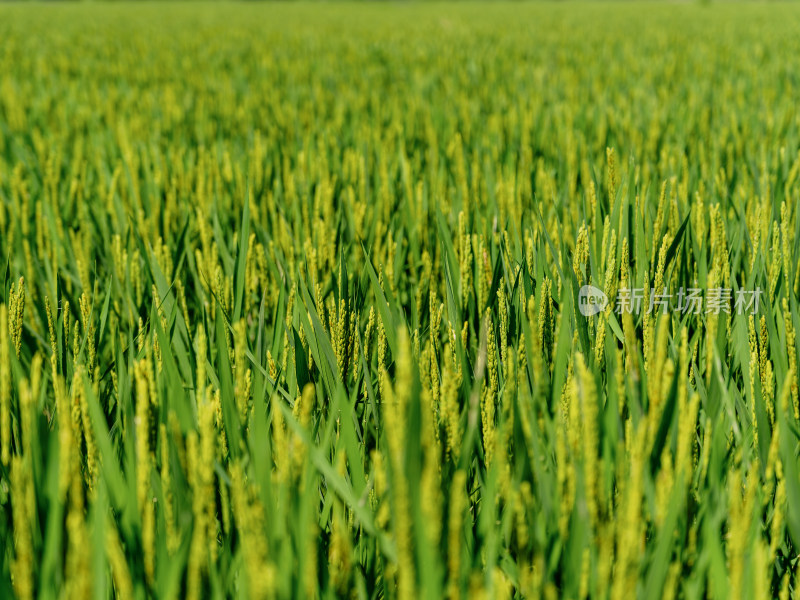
[[399, 300]]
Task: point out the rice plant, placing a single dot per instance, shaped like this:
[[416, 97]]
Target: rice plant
[[400, 301]]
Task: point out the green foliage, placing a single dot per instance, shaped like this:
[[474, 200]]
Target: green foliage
[[291, 298]]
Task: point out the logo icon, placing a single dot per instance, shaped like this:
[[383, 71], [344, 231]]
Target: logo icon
[[591, 300]]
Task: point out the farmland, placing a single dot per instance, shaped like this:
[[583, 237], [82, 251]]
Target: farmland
[[399, 300]]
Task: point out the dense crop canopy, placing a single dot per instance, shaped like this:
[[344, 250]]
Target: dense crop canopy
[[403, 301]]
